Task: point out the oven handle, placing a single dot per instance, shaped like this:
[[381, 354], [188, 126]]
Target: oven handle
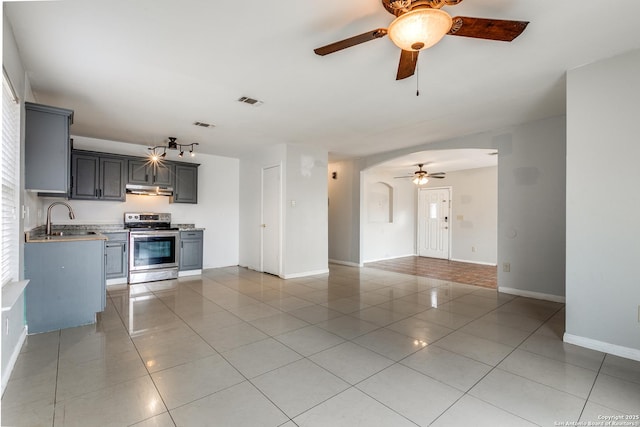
[[155, 234]]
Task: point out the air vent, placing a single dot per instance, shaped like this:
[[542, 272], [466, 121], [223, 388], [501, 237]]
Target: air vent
[[250, 101], [204, 125]]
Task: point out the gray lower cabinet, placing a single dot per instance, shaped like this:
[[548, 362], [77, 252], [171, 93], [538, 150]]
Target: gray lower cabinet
[[116, 255], [95, 177], [191, 250], [47, 148], [143, 172], [186, 186], [66, 284]]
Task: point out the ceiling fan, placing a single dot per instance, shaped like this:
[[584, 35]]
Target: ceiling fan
[[420, 24], [421, 176]]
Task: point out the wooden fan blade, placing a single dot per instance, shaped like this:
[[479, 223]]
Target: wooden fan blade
[[435, 176], [407, 65], [400, 177], [351, 41], [488, 29], [437, 173]]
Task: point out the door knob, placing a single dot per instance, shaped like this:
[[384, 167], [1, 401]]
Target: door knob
[[263, 225]]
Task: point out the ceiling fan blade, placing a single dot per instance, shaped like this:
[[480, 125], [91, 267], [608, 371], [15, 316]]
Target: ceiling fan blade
[[407, 65], [437, 173], [436, 176], [488, 29], [351, 41]]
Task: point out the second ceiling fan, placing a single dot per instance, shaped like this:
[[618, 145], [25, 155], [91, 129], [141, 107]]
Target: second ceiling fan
[[421, 176], [420, 24]]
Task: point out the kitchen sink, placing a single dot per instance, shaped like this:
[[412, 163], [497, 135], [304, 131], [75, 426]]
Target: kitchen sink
[[74, 233]]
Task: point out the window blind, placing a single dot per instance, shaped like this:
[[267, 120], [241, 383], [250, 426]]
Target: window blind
[[10, 161]]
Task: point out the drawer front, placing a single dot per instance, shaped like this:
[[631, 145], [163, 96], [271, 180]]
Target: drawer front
[[117, 237]]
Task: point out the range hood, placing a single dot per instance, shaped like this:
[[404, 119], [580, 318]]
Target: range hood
[[149, 190]]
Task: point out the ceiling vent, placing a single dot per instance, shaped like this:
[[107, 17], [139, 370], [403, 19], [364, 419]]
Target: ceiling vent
[[204, 125], [250, 101]]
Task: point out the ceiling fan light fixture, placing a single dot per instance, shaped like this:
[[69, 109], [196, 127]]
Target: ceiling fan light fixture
[[420, 180], [419, 29]]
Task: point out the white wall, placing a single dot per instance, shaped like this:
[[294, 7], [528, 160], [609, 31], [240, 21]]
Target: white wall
[[217, 210], [531, 203], [385, 240], [474, 214], [603, 205], [304, 230]]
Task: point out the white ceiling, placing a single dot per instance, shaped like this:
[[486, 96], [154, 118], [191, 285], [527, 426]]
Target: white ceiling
[[140, 71]]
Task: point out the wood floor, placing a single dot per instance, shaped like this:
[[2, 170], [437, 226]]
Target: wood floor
[[460, 272]]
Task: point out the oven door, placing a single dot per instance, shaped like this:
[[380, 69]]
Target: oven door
[[150, 250]]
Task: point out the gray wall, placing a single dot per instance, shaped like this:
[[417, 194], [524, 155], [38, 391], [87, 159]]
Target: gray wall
[[603, 236], [531, 203]]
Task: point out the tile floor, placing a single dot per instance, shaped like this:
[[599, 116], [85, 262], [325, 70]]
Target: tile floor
[[454, 271], [356, 347]]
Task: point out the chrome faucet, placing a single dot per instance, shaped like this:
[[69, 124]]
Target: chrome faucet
[[71, 215]]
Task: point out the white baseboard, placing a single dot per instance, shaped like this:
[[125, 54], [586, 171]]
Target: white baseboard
[[493, 264], [14, 358], [389, 258], [605, 347], [118, 281], [530, 294], [189, 273], [305, 274], [347, 263]]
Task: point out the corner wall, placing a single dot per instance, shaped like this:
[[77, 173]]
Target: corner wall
[[603, 236]]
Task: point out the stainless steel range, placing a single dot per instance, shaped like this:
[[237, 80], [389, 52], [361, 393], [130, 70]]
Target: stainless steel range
[[153, 247]]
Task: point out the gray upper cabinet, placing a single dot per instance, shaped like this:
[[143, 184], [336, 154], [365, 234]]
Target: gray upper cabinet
[[97, 177], [47, 148], [186, 187], [145, 173]]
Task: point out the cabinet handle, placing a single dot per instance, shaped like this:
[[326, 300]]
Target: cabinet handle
[[181, 244], [100, 192], [146, 177], [96, 192]]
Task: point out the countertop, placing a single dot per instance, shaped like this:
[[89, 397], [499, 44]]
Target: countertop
[[68, 232]]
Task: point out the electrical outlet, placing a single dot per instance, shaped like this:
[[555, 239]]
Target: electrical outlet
[[506, 267], [473, 248]]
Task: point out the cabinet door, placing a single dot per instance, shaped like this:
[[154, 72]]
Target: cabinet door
[[116, 259], [186, 188], [67, 284], [163, 174], [84, 176], [47, 148], [112, 186], [139, 172], [191, 250]]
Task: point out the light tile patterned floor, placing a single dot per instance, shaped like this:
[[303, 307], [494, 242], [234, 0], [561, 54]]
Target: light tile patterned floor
[[354, 347]]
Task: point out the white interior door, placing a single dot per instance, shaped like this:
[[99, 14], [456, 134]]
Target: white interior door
[[434, 218], [271, 200]]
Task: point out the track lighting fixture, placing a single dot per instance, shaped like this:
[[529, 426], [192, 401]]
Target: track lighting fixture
[[171, 145]]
